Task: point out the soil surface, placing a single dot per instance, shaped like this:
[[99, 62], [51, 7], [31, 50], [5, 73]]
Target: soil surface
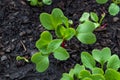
[[20, 29]]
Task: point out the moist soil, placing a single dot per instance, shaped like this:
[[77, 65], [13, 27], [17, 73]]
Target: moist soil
[[20, 29]]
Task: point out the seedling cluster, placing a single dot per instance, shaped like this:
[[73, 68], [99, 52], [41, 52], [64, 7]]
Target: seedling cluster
[[62, 27], [90, 71], [57, 22]]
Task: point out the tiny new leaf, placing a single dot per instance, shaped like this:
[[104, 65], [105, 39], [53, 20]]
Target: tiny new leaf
[[94, 16], [84, 17]]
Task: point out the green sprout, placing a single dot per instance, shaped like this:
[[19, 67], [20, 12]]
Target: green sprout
[[89, 71], [22, 58], [113, 7], [40, 2]]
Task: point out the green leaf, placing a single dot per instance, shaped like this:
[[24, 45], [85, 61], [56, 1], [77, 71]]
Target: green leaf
[[59, 31], [77, 69], [61, 54], [84, 17], [54, 44], [96, 25], [111, 74], [113, 9], [114, 62], [33, 2], [86, 38], [94, 16], [47, 2], [87, 78], [65, 21], [84, 32], [45, 39], [42, 62], [101, 55], [71, 73], [85, 27], [57, 15], [97, 71], [101, 1], [66, 76], [98, 77], [47, 21], [84, 74], [87, 60], [69, 33]]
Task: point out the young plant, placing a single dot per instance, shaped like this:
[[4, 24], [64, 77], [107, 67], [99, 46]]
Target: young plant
[[40, 2], [58, 22], [113, 8], [88, 23], [108, 69], [46, 46]]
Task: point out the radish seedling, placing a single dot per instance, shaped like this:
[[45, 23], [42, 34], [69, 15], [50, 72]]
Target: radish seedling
[[89, 71]]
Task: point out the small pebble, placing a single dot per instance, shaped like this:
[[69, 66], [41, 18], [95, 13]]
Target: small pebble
[[115, 19], [28, 31], [3, 58], [22, 33], [2, 53]]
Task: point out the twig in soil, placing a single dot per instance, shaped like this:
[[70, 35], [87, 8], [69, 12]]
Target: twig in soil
[[23, 45]]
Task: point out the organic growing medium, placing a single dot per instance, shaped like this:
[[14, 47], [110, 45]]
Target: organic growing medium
[[40, 2], [89, 70], [113, 8]]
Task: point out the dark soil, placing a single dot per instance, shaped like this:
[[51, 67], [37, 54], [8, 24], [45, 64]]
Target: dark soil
[[20, 29]]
